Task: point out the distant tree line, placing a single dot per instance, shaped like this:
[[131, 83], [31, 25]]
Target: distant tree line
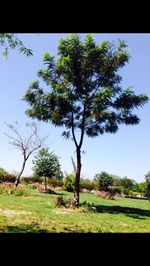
[[101, 182]]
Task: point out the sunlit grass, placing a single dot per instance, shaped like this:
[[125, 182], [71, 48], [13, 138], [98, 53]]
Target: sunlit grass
[[37, 213]]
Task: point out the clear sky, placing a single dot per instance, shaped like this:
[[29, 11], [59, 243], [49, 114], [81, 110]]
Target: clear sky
[[126, 153]]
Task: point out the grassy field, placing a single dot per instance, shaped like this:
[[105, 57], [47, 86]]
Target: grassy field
[[36, 213]]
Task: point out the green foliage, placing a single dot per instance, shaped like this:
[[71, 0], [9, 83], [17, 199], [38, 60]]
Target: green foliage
[[69, 183], [127, 184], [84, 91], [10, 41], [43, 190], [115, 190], [47, 164], [55, 182], [147, 178], [104, 180], [2, 172], [142, 187], [86, 183], [31, 179], [88, 206], [106, 194], [6, 177], [9, 189]]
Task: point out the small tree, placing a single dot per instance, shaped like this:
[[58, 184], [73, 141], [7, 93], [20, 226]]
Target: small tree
[[127, 184], [85, 94], [142, 188], [27, 145], [147, 178], [104, 180], [69, 182], [46, 164]]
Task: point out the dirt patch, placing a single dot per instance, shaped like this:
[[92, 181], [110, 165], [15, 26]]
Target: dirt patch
[[10, 213]]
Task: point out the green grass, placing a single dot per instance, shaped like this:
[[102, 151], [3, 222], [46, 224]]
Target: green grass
[[36, 213]]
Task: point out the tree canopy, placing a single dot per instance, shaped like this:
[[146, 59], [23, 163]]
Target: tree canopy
[[47, 164]]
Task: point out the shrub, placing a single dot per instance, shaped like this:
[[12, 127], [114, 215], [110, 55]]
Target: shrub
[[7, 178], [106, 195], [20, 192], [48, 191], [104, 180], [58, 201], [142, 188], [9, 189], [87, 206], [2, 172], [71, 203], [127, 184], [95, 184], [115, 190], [69, 183], [30, 180], [86, 184], [135, 194], [34, 185], [55, 182]]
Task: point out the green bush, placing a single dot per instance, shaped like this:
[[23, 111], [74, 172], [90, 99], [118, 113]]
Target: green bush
[[2, 172], [104, 180], [69, 183], [6, 177], [127, 183], [30, 180], [86, 183], [115, 190], [88, 207], [9, 189], [134, 194], [55, 182], [21, 192]]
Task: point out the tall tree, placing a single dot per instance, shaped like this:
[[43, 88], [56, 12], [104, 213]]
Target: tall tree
[[84, 92], [11, 41], [26, 144]]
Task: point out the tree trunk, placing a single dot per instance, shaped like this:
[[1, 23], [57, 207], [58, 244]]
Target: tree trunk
[[18, 177], [45, 184], [77, 178]]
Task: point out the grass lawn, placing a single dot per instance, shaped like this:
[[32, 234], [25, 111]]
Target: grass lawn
[[36, 213]]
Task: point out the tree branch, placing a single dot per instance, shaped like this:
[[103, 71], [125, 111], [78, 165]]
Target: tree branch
[[83, 127], [73, 133]]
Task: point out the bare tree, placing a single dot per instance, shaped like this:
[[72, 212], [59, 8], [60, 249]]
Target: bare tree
[[27, 145]]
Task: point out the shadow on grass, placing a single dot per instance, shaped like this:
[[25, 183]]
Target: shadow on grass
[[130, 212], [30, 228]]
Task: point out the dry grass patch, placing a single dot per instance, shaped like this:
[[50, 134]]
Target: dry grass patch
[[10, 213]]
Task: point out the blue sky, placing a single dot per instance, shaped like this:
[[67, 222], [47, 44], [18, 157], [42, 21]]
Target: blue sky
[[126, 153]]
